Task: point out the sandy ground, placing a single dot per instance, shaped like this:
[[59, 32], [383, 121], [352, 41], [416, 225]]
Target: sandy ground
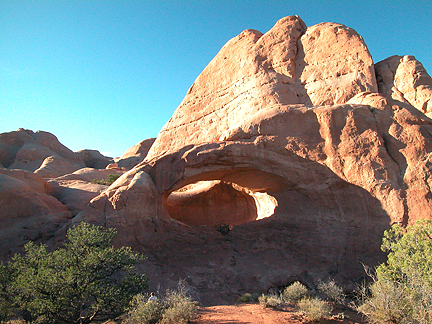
[[256, 314]]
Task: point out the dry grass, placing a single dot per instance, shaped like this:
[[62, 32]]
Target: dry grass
[[314, 309]]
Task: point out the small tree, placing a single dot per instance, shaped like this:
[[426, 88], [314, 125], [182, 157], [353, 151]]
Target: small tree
[[85, 280], [402, 288]]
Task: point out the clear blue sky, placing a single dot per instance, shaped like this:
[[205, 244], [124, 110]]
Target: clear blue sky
[[107, 74]]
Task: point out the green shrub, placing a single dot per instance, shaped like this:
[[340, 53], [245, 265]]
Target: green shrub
[[108, 181], [87, 279], [401, 291], [271, 300], [245, 298], [329, 290], [314, 309], [223, 228], [295, 292], [175, 307]]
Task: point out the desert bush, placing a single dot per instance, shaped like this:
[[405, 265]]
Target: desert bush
[[179, 306], [401, 291], [86, 279], [245, 298], [384, 302], [314, 309], [144, 311], [108, 181], [329, 290], [295, 292], [175, 307], [271, 300]]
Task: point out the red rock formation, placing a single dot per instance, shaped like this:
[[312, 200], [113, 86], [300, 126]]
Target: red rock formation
[[28, 211], [26, 150], [290, 64], [403, 78], [94, 159], [76, 190], [135, 154], [308, 156]]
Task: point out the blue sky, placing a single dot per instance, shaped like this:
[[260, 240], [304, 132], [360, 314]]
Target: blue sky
[[107, 74]]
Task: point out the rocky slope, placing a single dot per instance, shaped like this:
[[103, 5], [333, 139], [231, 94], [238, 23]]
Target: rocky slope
[[298, 148], [43, 185]]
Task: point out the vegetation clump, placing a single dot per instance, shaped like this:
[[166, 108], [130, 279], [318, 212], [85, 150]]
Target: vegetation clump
[[295, 292], [401, 291], [108, 181], [272, 300], [248, 298], [175, 307], [85, 280], [315, 309], [223, 228], [330, 291]]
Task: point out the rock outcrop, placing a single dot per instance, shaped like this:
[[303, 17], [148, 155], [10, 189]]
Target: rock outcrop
[[135, 154], [75, 190], [403, 78], [94, 159], [321, 65], [41, 151], [28, 211]]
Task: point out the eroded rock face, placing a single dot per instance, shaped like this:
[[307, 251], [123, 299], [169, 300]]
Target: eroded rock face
[[294, 118], [26, 150], [212, 203], [403, 78], [324, 64]]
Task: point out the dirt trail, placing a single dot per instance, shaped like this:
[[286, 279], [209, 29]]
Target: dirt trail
[[256, 314]]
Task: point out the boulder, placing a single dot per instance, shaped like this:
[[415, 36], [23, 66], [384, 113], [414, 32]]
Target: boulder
[[89, 174], [94, 159], [135, 154], [55, 166]]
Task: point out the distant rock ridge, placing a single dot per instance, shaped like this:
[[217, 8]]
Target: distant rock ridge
[[39, 152]]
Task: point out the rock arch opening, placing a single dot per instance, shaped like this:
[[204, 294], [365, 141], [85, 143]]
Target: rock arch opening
[[213, 202]]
